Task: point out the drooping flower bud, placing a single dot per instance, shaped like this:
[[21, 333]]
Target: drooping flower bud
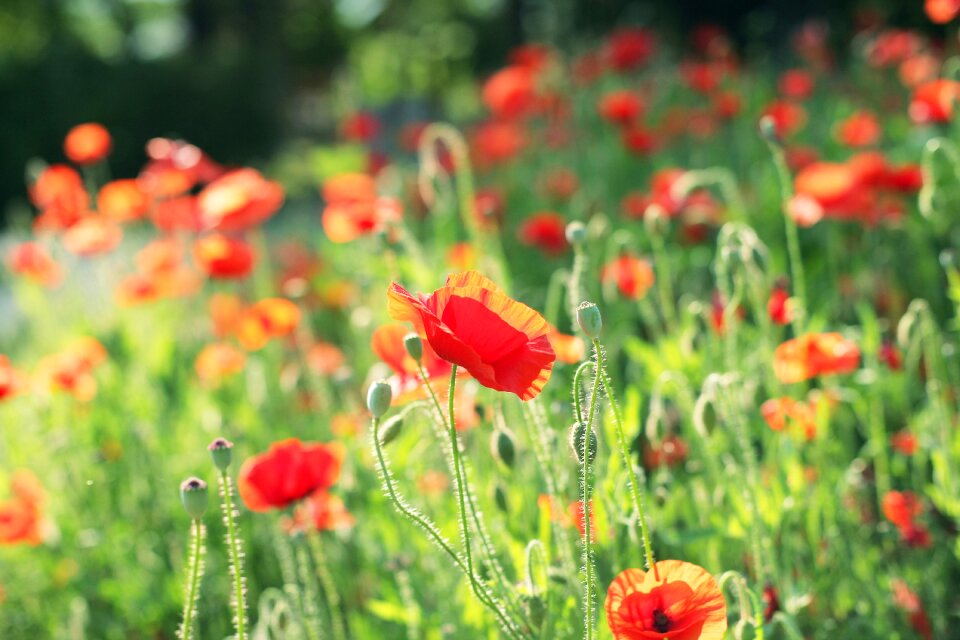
[[578, 432], [414, 346], [221, 450], [379, 397], [500, 498], [391, 429], [536, 610], [502, 447], [193, 495], [589, 319]]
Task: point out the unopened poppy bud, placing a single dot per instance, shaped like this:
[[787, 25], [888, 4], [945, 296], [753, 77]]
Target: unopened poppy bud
[[414, 346], [577, 433], [193, 495], [500, 498], [589, 319], [391, 429], [768, 129], [556, 575], [221, 450], [378, 398], [576, 233], [536, 610], [502, 447]]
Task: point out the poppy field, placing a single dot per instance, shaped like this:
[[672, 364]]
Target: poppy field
[[661, 344]]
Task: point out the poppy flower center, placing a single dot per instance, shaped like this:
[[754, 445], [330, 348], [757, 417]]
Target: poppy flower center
[[660, 621]]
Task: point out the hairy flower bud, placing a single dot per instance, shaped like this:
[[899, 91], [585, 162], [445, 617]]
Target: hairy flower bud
[[379, 397], [589, 319], [221, 450], [193, 495]]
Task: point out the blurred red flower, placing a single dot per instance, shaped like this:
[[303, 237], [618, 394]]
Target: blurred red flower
[[21, 516], [87, 143], [221, 256], [239, 200], [32, 261], [289, 471], [812, 355], [632, 276], [546, 231]]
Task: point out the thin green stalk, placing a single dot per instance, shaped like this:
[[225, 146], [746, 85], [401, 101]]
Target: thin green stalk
[[478, 589], [793, 238], [195, 572], [236, 556], [328, 585], [311, 615], [636, 492], [586, 490], [664, 280]]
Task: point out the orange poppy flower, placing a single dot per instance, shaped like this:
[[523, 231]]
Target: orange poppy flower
[[472, 323], [87, 143], [861, 129], [685, 603], [325, 358], [933, 101], [225, 311], [633, 276], [123, 200], [175, 214], [347, 221], [349, 187], [32, 261], [221, 256], [239, 200], [322, 511], [510, 92], [71, 370], [266, 319], [787, 414], [941, 11], [569, 349], [218, 361], [387, 344], [92, 236], [829, 183], [60, 195], [289, 471], [136, 289], [812, 355], [21, 516]]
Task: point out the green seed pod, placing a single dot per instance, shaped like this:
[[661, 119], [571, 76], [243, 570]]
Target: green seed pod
[[193, 495], [414, 346], [391, 429], [500, 498], [589, 319], [221, 450], [536, 610], [576, 233], [556, 575], [577, 433], [379, 397], [502, 447], [768, 129]]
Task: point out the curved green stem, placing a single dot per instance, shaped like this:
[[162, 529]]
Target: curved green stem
[[636, 492]]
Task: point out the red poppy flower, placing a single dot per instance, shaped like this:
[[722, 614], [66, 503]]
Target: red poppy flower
[[703, 77], [812, 355], [289, 471], [918, 69], [494, 143], [901, 507], [933, 101], [639, 140], [620, 107], [778, 307], [71, 370], [788, 117], [91, 236], [123, 200], [629, 48], [32, 261], [239, 200], [830, 184], [87, 143], [727, 104], [905, 442], [347, 221], [796, 84], [268, 318], [176, 214], [861, 129], [685, 603], [21, 516], [907, 599], [546, 231], [559, 183], [510, 93], [349, 187], [360, 127], [11, 380], [783, 414], [941, 11], [221, 256], [669, 452], [470, 322], [569, 349], [633, 276], [322, 511], [325, 358], [61, 197], [136, 289]]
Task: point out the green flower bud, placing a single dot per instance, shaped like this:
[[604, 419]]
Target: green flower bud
[[576, 233], [502, 447], [536, 610], [379, 397], [391, 429], [500, 498], [414, 346], [193, 495], [577, 433], [221, 450], [589, 319]]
